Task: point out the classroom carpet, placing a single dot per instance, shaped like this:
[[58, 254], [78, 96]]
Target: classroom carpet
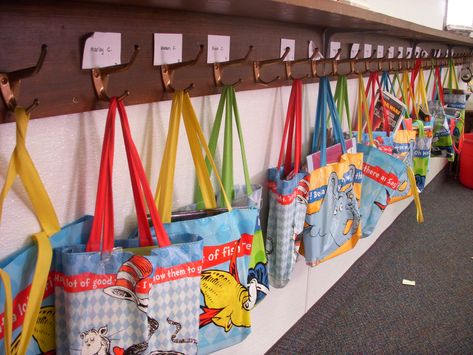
[[370, 311]]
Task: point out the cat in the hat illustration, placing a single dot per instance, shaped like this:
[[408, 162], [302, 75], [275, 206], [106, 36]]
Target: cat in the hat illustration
[[131, 272]]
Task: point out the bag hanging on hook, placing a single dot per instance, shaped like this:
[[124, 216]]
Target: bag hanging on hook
[[332, 224], [128, 295], [383, 174], [288, 188], [243, 196], [32, 268], [226, 297]]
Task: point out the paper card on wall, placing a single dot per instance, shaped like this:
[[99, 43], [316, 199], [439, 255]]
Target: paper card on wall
[[401, 51], [291, 43], [379, 51], [102, 49], [355, 47], [391, 52], [334, 47], [218, 49], [311, 49], [167, 48], [409, 52], [367, 49]]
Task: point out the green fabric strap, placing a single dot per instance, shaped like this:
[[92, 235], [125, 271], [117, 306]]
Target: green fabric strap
[[341, 100], [228, 104]]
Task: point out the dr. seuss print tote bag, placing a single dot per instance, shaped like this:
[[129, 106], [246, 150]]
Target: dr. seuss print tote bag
[[226, 298], [246, 195], [288, 187], [332, 224], [128, 296], [31, 268]]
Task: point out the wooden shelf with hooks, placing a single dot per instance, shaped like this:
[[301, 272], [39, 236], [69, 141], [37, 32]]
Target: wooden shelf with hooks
[[62, 87]]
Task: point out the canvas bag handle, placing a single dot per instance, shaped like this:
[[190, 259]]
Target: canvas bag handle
[[372, 81], [451, 75], [102, 232], [324, 100], [22, 165], [182, 106], [228, 104], [292, 132], [342, 102], [363, 109]]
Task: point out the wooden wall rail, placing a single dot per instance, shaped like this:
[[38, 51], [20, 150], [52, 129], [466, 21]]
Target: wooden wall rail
[[62, 87]]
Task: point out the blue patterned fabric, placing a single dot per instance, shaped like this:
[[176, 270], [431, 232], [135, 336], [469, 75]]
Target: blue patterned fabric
[[287, 209], [140, 298], [383, 177], [20, 266]]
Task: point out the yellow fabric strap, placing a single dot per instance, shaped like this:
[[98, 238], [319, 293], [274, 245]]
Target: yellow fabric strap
[[8, 312], [415, 194], [182, 107], [421, 93], [37, 288], [363, 108], [22, 165], [193, 128]]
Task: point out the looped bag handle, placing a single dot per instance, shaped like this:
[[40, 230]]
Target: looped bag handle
[[22, 165], [325, 100], [342, 102], [292, 135], [182, 107], [362, 109], [102, 233], [227, 104]]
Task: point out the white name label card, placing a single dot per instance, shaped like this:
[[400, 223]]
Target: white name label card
[[218, 49], [167, 48], [102, 49]]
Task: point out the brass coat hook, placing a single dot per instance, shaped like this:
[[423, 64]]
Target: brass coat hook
[[218, 69], [100, 77], [368, 61], [10, 82], [332, 61], [350, 60], [395, 59], [290, 63], [167, 71], [258, 64]]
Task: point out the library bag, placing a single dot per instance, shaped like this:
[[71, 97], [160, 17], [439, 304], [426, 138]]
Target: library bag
[[332, 224], [128, 296], [226, 298], [246, 195], [31, 314], [288, 188]]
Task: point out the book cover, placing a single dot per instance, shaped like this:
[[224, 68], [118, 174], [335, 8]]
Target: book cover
[[395, 110]]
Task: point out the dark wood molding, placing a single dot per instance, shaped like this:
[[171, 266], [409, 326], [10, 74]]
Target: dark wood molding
[[62, 87]]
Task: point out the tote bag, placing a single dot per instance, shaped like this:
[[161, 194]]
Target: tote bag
[[246, 195], [288, 189], [383, 174], [29, 269], [421, 155], [226, 299], [129, 296], [332, 224]]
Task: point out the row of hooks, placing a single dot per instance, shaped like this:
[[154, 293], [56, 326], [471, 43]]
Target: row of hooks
[[10, 82]]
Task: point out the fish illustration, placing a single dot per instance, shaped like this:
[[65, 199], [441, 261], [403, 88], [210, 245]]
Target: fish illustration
[[227, 301]]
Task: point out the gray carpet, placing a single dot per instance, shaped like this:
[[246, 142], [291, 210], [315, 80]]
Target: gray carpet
[[369, 311]]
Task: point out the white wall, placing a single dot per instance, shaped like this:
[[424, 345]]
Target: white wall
[[424, 12]]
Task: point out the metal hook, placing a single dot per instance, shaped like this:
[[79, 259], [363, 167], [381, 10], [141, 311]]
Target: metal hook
[[218, 69], [332, 61], [290, 63], [395, 59], [100, 77], [10, 82], [350, 60], [369, 60], [260, 63], [167, 71]]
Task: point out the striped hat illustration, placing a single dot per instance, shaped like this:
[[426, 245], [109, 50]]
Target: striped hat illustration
[[130, 273]]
